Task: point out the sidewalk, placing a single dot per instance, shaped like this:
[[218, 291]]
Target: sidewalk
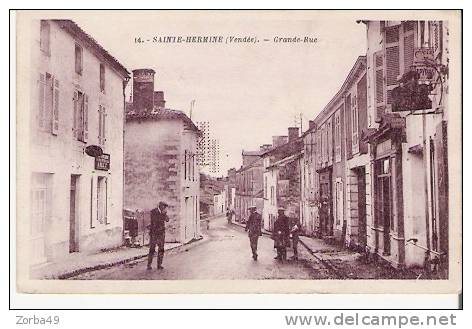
[[78, 263], [350, 264]]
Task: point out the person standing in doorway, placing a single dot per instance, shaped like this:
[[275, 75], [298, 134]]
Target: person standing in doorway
[[254, 229], [281, 235], [157, 234]]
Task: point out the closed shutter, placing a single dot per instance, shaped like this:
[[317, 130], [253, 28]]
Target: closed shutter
[[55, 108], [348, 126], [392, 59], [75, 101], [408, 45], [379, 85], [362, 112], [85, 118], [41, 116]]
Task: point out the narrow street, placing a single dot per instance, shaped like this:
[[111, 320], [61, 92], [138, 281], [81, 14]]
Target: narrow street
[[224, 254]]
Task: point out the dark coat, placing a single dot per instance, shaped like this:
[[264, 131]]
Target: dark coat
[[158, 222], [295, 231], [281, 233], [254, 224]]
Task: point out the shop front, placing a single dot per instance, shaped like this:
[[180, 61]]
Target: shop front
[[386, 165]]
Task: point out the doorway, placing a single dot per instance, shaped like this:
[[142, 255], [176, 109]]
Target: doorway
[[384, 201], [73, 218], [326, 210]]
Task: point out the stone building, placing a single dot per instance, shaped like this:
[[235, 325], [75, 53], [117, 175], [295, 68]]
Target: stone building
[[161, 159], [408, 142], [249, 189], [331, 206], [282, 178], [72, 201]]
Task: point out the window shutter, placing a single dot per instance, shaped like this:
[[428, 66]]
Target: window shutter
[[392, 59], [85, 118], [379, 85], [75, 114], [104, 135], [347, 101], [55, 108], [41, 116], [408, 45], [100, 124]]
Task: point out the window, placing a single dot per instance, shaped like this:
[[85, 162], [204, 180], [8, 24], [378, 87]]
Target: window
[[78, 59], [45, 35], [185, 165], [80, 116], [48, 107], [102, 200], [265, 187], [355, 125], [102, 77], [101, 124], [272, 195], [339, 202], [337, 135]]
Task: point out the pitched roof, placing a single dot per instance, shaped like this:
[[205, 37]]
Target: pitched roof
[[73, 29], [253, 153], [159, 114]]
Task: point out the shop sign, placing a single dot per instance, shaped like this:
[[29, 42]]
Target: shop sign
[[384, 147], [422, 56], [102, 162]]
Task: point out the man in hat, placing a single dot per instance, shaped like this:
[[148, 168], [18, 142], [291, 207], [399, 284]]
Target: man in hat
[[157, 234], [281, 235], [254, 229]]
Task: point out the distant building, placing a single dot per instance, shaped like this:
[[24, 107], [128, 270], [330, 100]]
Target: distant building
[[214, 161], [76, 100], [203, 154], [161, 159], [249, 189], [282, 178]]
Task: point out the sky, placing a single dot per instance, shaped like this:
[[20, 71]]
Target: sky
[[248, 92]]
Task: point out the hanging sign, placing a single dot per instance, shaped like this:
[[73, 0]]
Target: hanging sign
[[102, 162], [420, 58]]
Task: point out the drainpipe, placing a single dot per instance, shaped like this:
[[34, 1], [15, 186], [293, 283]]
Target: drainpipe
[[426, 205], [125, 83]]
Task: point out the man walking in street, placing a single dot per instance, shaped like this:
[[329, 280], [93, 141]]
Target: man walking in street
[[281, 235], [295, 233], [254, 229], [157, 234]]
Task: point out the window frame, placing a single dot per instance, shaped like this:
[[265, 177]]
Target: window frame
[[102, 78], [45, 46], [78, 60]]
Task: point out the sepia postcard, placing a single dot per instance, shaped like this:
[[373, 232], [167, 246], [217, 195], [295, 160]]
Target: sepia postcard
[[239, 151]]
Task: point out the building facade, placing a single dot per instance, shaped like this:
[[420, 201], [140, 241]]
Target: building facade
[[333, 192], [249, 189], [282, 179], [408, 141], [76, 101], [161, 160]]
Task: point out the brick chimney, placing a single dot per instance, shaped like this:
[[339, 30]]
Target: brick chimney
[[143, 90], [292, 133], [159, 100], [311, 124], [279, 140]]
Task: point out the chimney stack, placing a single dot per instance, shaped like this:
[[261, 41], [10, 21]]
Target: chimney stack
[[279, 140], [292, 133], [143, 90], [311, 124], [159, 100]]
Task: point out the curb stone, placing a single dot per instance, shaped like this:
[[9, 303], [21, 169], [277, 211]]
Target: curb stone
[[71, 274]]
